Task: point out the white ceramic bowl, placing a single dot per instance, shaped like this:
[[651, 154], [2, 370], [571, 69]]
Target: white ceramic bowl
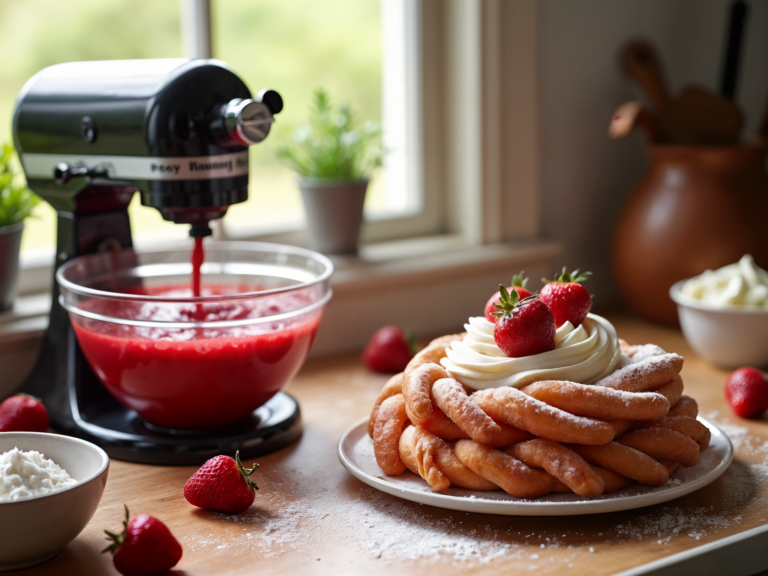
[[726, 337], [34, 530]]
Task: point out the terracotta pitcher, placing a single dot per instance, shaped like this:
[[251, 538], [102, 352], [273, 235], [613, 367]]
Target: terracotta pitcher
[[698, 207]]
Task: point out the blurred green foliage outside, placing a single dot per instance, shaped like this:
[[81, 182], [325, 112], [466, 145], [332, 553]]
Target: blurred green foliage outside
[[293, 46]]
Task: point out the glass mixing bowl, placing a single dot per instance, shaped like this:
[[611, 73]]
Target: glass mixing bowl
[[195, 363]]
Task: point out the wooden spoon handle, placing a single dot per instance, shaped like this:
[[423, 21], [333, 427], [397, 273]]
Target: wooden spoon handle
[[627, 117], [624, 119], [641, 63]]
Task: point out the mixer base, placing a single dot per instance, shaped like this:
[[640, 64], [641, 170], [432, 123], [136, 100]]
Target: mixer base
[[125, 436]]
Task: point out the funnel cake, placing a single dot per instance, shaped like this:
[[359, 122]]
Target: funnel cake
[[630, 423]]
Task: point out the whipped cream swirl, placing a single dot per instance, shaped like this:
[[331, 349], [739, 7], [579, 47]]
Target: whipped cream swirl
[[584, 354]]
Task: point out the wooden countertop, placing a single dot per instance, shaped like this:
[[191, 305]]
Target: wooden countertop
[[312, 517]]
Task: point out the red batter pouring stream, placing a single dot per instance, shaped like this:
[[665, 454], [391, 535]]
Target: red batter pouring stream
[[198, 256]]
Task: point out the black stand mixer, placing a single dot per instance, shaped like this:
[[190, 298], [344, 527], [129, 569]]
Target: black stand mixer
[[89, 135]]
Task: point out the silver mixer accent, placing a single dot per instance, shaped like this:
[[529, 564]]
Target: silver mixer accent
[[246, 121]]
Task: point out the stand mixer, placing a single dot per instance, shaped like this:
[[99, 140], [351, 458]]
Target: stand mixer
[[89, 135]]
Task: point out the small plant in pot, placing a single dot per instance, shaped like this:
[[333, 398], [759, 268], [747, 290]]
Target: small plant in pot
[[334, 158], [16, 204]]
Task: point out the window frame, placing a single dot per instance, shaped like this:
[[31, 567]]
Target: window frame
[[474, 124], [480, 168], [402, 21], [471, 99]]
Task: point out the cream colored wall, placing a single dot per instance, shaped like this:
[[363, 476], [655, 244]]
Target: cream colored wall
[[585, 176]]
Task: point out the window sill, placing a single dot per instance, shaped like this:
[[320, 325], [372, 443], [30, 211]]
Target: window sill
[[430, 285]]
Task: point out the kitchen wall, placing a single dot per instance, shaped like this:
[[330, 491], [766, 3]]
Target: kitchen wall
[[586, 176]]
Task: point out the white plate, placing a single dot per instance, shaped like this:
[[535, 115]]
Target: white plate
[[356, 455]]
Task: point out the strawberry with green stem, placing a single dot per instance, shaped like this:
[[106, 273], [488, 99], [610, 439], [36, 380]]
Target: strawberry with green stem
[[567, 298], [222, 484], [145, 547], [518, 285], [523, 327]]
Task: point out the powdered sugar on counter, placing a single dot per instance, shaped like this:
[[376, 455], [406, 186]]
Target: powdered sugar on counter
[[30, 474], [306, 511]]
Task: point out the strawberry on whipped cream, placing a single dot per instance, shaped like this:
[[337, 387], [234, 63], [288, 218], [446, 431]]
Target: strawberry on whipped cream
[[584, 354]]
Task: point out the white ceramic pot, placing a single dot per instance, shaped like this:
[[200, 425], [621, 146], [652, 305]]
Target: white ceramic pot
[[727, 337], [34, 530]]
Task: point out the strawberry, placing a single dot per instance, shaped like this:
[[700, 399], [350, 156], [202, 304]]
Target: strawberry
[[747, 392], [144, 547], [568, 300], [518, 285], [23, 413], [524, 327], [222, 484], [389, 350]]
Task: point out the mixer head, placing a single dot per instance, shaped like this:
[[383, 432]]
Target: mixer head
[[176, 130]]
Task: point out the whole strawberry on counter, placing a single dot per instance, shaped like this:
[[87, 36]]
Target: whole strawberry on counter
[[747, 392], [222, 484], [389, 350], [23, 413], [518, 285], [567, 298], [523, 327], [145, 547]]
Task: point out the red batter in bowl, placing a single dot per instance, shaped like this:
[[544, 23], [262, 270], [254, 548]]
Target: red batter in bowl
[[190, 362]]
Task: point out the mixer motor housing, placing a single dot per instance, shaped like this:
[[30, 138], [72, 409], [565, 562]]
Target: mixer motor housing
[[175, 131]]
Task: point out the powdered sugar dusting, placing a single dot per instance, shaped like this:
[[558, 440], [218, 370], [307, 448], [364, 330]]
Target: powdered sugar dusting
[[642, 374], [301, 515], [742, 488], [515, 407], [646, 351]]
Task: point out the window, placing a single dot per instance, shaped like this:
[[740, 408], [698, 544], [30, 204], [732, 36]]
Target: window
[[71, 31], [296, 47], [365, 52], [454, 82]]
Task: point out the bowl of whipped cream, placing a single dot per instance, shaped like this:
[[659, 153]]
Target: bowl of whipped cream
[[724, 314], [50, 487]]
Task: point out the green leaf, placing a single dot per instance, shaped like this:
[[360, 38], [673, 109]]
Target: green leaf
[[507, 301], [566, 277], [413, 344], [245, 472], [16, 200], [331, 145], [116, 540], [519, 279]]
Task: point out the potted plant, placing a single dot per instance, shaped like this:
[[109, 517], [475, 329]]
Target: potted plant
[[16, 203], [334, 159]]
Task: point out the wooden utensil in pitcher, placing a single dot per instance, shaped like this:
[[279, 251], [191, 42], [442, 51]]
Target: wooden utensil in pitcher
[[697, 116], [713, 119], [629, 116], [642, 64]]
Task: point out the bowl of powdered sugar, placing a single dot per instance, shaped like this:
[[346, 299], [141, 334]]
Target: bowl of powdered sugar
[[50, 487]]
